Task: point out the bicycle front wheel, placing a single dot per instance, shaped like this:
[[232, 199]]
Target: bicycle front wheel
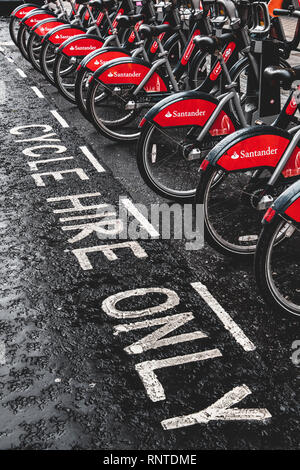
[[277, 266]]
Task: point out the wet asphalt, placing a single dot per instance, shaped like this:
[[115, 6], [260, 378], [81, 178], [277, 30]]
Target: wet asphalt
[[66, 381]]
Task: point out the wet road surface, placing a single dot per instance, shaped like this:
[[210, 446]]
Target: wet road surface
[[78, 367]]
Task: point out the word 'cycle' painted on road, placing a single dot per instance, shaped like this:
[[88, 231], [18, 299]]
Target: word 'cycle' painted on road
[[73, 209]]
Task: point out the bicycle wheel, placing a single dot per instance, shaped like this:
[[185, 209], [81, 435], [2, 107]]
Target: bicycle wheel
[[162, 159], [232, 216], [109, 115], [14, 25], [22, 38], [47, 59], [81, 91], [168, 158], [277, 266], [34, 45], [64, 74]]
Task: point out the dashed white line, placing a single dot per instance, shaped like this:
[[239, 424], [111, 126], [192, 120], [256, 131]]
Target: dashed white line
[[2, 354], [21, 73], [38, 93], [225, 318], [10, 43], [92, 159], [60, 119], [139, 216], [10, 59]]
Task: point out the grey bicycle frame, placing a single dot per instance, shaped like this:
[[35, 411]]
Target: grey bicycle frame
[[284, 159], [223, 100], [163, 61]]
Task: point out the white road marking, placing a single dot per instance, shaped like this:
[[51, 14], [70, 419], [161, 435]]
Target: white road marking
[[58, 175], [2, 92], [225, 318], [221, 411], [10, 60], [109, 305], [76, 204], [10, 43], [92, 159], [146, 369], [88, 216], [60, 119], [21, 73], [139, 216], [2, 354], [34, 165], [107, 250], [38, 93], [157, 339]]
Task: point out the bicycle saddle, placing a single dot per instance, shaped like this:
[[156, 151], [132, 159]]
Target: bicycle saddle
[[125, 21], [148, 31], [211, 43], [286, 76]]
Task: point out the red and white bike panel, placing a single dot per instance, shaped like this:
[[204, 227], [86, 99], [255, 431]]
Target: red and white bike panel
[[103, 58], [34, 19], [46, 27], [260, 151], [133, 74], [82, 47], [59, 37], [294, 210], [194, 112], [22, 12], [226, 56]]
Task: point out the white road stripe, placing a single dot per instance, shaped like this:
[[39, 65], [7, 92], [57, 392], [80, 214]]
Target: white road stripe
[[225, 318], [7, 43], [92, 159], [60, 119], [38, 93], [10, 59], [139, 216], [2, 92], [21, 73], [2, 354]]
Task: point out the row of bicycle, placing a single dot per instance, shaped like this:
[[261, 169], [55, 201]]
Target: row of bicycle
[[211, 100]]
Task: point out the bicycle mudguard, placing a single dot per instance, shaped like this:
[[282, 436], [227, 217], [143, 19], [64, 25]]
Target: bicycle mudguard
[[60, 34], [190, 108], [258, 147], [288, 203], [81, 45], [43, 27], [98, 58], [130, 71], [22, 10], [32, 18]]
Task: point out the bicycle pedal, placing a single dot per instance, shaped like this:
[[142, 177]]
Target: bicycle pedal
[[265, 202], [195, 154]]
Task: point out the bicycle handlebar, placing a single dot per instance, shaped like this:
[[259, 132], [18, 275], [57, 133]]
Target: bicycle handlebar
[[281, 12]]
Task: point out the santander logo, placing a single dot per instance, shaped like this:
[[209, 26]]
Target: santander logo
[[61, 37], [82, 48], [256, 153], [124, 75], [183, 114]]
